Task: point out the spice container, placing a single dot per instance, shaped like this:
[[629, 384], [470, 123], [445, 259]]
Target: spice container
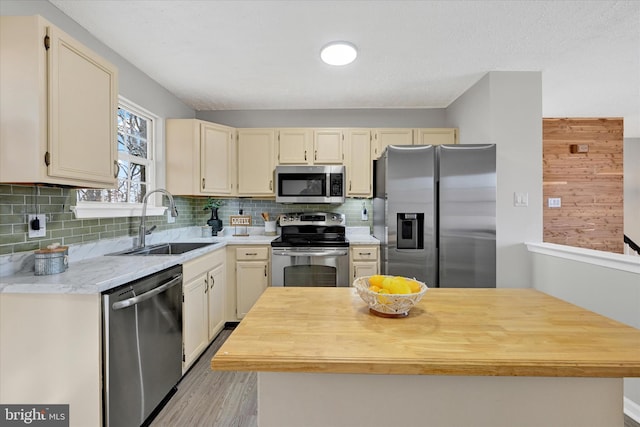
[[53, 260]]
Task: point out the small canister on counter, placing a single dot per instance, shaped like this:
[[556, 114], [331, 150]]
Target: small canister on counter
[[53, 260]]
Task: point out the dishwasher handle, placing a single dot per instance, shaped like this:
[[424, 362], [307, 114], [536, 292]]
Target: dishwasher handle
[[153, 292]]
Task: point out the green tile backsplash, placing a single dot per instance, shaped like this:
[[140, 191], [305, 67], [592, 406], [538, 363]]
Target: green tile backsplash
[[18, 201]]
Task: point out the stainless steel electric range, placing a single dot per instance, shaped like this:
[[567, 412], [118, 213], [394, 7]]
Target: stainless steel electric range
[[312, 251]]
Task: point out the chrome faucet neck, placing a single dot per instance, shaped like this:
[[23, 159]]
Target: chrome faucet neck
[[142, 230]]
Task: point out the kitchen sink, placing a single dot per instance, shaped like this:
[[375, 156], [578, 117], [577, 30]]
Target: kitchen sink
[[165, 248]]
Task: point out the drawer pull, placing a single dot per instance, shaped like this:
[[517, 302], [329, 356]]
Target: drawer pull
[[364, 253], [251, 253]]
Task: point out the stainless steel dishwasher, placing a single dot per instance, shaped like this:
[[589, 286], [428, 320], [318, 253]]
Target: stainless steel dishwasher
[[142, 346]]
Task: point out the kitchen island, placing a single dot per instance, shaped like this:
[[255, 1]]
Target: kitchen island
[[481, 357]]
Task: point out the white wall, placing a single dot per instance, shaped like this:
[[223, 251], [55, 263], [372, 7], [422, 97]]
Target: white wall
[[632, 188], [505, 108], [611, 292]]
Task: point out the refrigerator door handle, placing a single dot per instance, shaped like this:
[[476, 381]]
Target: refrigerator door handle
[[436, 218]]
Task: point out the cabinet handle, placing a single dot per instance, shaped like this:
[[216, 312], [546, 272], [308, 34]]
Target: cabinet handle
[[265, 271], [349, 185], [116, 168], [213, 281], [251, 253], [315, 155], [305, 155], [364, 253], [206, 287], [203, 183], [271, 185]]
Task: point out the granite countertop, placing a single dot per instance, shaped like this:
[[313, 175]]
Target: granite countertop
[[100, 272], [91, 271]]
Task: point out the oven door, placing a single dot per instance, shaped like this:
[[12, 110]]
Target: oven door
[[310, 267]]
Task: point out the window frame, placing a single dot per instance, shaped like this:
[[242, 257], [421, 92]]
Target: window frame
[[85, 209]]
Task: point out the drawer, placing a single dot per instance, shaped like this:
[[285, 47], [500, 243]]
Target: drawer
[[364, 253], [247, 254]]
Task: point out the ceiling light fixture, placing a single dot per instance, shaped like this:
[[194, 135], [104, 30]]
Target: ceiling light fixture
[[339, 53]]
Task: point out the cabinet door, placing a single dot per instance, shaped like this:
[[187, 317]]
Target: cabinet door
[[391, 136], [294, 147], [358, 163], [327, 146], [215, 160], [217, 284], [194, 318], [256, 162], [82, 104], [362, 268], [251, 282], [435, 136]]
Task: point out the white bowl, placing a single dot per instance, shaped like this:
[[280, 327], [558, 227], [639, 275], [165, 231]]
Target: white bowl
[[388, 305]]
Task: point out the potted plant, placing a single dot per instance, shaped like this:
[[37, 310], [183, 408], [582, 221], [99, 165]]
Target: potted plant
[[214, 221]]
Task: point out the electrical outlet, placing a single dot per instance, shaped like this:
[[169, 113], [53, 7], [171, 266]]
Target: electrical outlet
[[37, 225]]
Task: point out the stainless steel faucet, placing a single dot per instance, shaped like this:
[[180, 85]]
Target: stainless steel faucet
[[142, 231]]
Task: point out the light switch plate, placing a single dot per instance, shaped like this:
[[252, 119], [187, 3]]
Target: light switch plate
[[42, 232], [520, 200]]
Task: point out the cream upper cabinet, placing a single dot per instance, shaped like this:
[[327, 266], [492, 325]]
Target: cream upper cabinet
[[327, 146], [256, 162], [389, 136], [358, 164], [58, 107], [435, 136], [200, 158], [295, 146]]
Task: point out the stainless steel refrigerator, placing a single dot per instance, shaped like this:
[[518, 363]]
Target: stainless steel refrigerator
[[434, 212]]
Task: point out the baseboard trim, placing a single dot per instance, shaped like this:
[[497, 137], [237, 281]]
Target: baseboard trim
[[632, 409]]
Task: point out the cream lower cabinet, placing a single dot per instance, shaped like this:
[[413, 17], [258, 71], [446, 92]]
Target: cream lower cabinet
[[200, 158], [252, 274], [364, 261], [256, 162], [358, 164], [203, 304], [58, 108]]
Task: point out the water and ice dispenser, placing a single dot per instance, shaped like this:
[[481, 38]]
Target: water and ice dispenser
[[410, 230]]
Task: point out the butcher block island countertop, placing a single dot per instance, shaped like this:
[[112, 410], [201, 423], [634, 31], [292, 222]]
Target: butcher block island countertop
[[465, 332]]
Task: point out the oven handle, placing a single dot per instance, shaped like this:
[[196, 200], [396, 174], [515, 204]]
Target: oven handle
[[330, 252]]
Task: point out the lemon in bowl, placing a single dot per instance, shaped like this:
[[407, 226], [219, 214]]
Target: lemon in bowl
[[389, 296]]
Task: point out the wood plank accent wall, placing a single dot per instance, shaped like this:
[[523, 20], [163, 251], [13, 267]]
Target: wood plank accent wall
[[590, 185]]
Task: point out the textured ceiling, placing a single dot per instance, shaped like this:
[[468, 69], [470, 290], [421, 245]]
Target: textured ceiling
[[230, 55]]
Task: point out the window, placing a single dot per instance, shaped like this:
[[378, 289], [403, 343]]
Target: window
[[136, 143]]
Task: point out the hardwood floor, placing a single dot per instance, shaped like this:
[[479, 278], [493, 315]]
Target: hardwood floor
[[207, 398], [212, 398]]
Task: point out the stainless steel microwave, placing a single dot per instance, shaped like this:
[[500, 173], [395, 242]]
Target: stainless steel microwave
[[310, 184]]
